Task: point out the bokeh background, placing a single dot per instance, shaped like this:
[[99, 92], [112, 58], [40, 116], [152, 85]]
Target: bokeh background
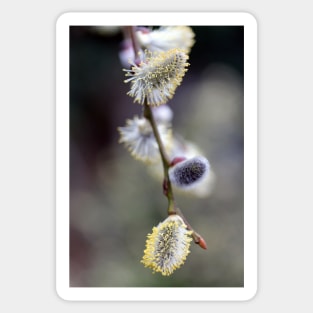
[[115, 202]]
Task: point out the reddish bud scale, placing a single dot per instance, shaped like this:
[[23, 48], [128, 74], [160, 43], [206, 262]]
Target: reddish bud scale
[[177, 160], [165, 187], [202, 243]]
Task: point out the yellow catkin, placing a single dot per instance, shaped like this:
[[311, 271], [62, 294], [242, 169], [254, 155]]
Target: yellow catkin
[[167, 246], [156, 78]]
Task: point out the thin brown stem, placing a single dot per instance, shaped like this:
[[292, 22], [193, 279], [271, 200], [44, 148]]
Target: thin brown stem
[[167, 186], [131, 34]]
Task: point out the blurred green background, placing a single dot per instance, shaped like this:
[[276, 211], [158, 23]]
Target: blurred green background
[[115, 202]]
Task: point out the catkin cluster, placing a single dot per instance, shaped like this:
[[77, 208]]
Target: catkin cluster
[[154, 72]]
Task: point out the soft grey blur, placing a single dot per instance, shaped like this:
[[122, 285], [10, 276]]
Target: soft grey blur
[[115, 201]]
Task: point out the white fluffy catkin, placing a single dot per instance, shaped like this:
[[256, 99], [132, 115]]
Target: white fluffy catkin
[[190, 172]]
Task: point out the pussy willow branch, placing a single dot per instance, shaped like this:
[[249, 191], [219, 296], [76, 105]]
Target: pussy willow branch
[[167, 186], [130, 30]]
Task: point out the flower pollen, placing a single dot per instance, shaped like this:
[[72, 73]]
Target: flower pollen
[[168, 246], [157, 76]]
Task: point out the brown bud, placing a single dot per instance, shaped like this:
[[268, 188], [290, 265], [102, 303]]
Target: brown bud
[[202, 243], [177, 160]]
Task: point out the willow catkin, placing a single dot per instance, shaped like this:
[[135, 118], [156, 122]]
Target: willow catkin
[[157, 76]]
